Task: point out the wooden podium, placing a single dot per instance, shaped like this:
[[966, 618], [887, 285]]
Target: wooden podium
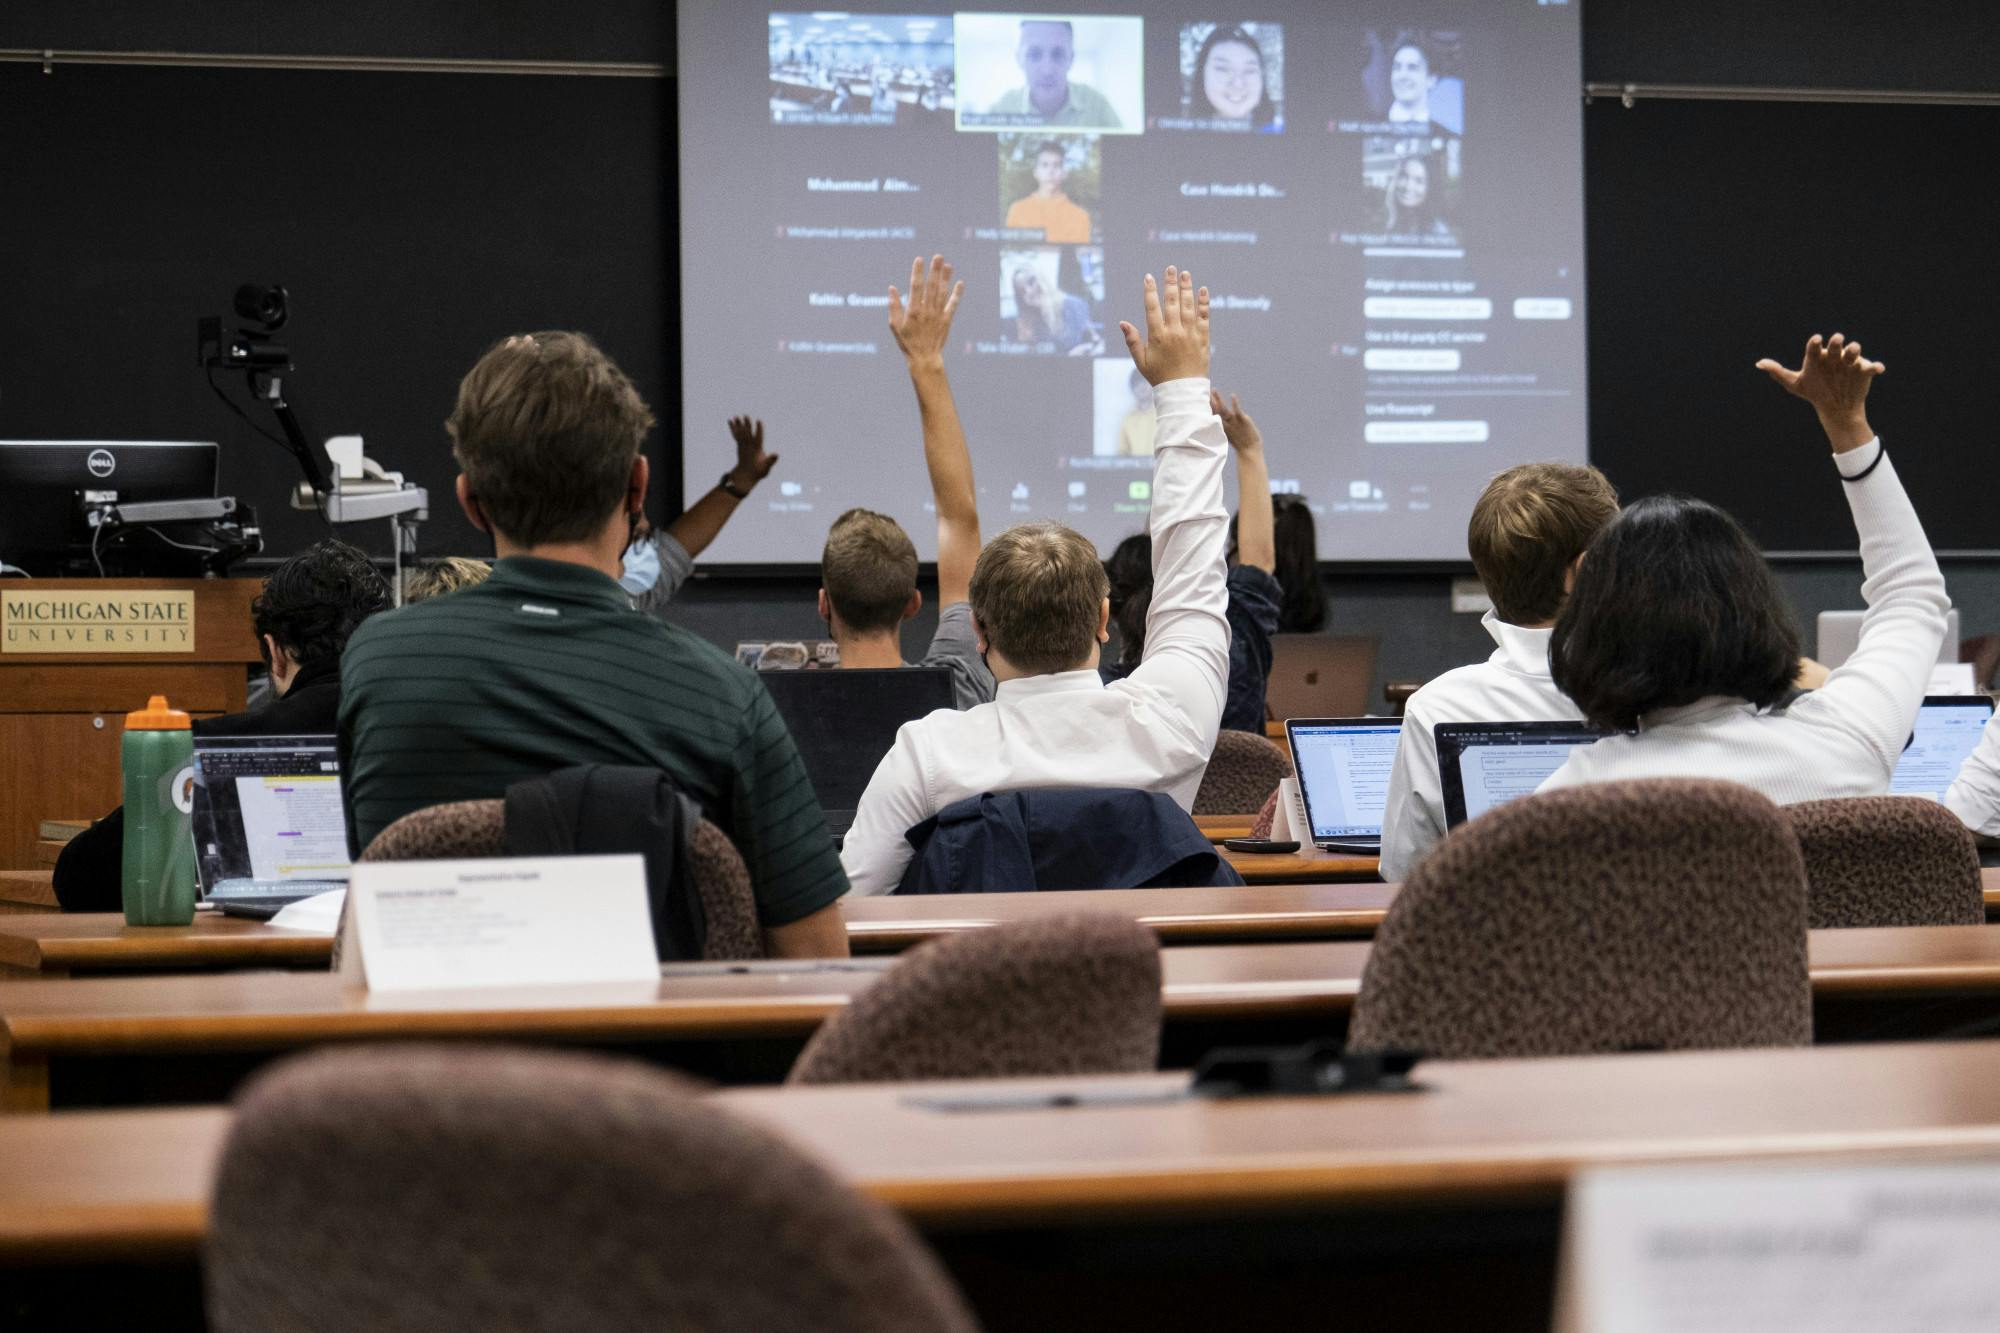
[[72, 664]]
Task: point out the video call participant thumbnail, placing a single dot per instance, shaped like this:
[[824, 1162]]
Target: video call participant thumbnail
[[1410, 206], [1406, 86], [1232, 77], [1038, 306], [1049, 71], [1048, 207]]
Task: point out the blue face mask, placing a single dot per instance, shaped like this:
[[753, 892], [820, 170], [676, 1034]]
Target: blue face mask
[[642, 567]]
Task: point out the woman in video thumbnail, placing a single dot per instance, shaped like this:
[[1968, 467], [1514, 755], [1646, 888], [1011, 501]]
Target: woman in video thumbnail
[[1229, 80], [1407, 205], [1043, 312], [1410, 82]]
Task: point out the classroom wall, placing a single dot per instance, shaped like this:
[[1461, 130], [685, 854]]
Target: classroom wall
[[89, 349]]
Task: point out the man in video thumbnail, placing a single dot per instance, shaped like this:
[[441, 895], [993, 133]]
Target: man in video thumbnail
[[1045, 52], [1062, 221]]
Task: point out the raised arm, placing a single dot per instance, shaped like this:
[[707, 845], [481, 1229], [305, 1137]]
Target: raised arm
[[1187, 627], [1256, 527], [922, 328], [1875, 694], [704, 519]]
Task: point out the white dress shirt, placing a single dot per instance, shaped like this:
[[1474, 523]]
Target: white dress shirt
[[1153, 730], [1842, 739], [1513, 685], [1974, 795]]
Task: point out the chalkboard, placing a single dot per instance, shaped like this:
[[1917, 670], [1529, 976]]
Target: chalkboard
[[414, 218], [1722, 232]]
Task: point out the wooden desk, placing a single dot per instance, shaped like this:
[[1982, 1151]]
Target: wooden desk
[[1270, 991], [115, 1185], [55, 944], [1308, 865], [101, 943], [1177, 916], [1217, 827]]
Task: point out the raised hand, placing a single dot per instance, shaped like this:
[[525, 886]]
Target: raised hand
[[1237, 426], [1834, 377], [924, 326], [752, 463], [1176, 342]]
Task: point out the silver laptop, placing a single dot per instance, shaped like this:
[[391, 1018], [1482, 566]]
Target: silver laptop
[[268, 823], [1948, 730], [1343, 766], [1839, 633]]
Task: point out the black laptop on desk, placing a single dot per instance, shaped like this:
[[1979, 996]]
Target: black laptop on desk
[[844, 722], [1486, 764], [268, 824]]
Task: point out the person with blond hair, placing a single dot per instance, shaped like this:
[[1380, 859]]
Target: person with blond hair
[[1040, 606], [1529, 529]]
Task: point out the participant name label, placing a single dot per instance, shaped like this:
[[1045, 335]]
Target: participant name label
[[505, 921], [97, 620]]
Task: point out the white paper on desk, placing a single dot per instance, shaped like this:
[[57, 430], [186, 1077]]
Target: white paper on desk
[[1880, 1247], [1952, 678], [502, 921], [319, 914]]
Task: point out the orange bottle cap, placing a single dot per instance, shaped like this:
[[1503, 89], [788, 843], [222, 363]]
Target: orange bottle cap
[[156, 716]]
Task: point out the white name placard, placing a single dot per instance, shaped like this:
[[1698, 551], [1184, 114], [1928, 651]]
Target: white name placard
[[1884, 1247], [504, 921]]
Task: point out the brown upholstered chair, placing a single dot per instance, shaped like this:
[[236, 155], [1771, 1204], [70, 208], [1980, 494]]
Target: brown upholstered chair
[[1243, 770], [1077, 993], [1887, 861], [422, 1188], [1657, 914], [465, 829]]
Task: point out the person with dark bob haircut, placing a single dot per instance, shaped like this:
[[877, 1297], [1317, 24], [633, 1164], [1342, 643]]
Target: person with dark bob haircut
[[1675, 633], [303, 618]]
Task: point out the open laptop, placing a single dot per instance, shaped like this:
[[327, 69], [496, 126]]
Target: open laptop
[[1343, 766], [1839, 634], [1485, 764], [1314, 675], [268, 827], [844, 722], [1948, 730]]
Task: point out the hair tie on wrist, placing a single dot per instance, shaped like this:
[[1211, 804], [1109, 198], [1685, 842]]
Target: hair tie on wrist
[[1881, 452]]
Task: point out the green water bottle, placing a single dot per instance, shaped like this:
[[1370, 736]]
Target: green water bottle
[[157, 758]]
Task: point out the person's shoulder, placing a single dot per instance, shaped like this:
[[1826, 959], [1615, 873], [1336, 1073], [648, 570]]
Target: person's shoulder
[[1011, 103], [1093, 104], [1456, 696]]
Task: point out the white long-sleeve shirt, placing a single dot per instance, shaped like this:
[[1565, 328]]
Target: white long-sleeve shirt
[[1153, 730], [1974, 795], [1844, 738], [1513, 685]]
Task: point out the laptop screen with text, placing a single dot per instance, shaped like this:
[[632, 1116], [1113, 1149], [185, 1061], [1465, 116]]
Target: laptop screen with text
[[1343, 769], [1487, 764], [267, 813], [1947, 731]]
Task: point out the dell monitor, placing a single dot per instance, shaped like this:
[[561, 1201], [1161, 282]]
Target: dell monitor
[[45, 484]]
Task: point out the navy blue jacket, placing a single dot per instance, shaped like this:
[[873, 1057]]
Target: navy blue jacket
[[1088, 838]]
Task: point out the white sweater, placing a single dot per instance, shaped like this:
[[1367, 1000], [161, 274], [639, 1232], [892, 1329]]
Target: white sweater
[[1513, 685], [1975, 794], [1152, 730], [1844, 738]]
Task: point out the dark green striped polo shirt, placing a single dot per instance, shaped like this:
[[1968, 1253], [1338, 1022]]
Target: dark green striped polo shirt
[[545, 665]]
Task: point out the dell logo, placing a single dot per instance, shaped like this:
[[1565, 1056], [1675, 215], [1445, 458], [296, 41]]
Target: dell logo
[[102, 462]]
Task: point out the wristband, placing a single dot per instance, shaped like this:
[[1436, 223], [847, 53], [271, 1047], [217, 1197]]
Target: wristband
[[730, 486], [1881, 452]]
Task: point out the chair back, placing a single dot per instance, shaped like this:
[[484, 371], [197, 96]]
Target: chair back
[[1646, 915], [728, 900], [1243, 770], [1075, 993], [469, 829], [1887, 861], [1320, 675], [458, 831], [414, 1188]]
